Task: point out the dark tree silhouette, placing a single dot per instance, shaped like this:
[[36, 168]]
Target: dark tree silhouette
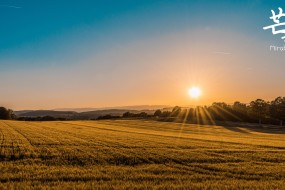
[[219, 112], [157, 113], [142, 114], [277, 109], [176, 111], [6, 114], [239, 107], [165, 114], [127, 114], [259, 107]]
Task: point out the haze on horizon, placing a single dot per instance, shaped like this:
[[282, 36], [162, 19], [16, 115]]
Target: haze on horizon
[[121, 53]]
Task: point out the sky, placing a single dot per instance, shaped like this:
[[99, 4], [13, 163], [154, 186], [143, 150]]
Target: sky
[[93, 53]]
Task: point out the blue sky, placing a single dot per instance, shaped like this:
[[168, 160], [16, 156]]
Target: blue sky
[[39, 30], [52, 37]]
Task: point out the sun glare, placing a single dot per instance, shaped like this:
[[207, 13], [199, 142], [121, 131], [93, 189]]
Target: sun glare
[[194, 92]]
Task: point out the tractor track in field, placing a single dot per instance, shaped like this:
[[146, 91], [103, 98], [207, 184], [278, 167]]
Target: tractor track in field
[[74, 143], [25, 138], [2, 144], [80, 139], [106, 144], [12, 142]]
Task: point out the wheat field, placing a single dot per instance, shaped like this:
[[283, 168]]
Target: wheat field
[[129, 154]]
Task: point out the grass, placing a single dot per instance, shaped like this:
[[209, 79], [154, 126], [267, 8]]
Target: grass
[[123, 154]]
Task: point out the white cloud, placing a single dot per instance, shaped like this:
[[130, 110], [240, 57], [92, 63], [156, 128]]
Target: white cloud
[[11, 6]]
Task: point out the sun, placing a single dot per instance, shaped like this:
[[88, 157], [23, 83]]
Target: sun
[[194, 92]]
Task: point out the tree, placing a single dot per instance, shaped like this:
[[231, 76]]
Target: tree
[[277, 109], [157, 113], [221, 111], [142, 114], [128, 114], [176, 111], [240, 110], [259, 108], [239, 107], [165, 114], [6, 114]]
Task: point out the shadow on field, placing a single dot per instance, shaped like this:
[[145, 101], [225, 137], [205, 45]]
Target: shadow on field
[[235, 129], [247, 127], [239, 127]]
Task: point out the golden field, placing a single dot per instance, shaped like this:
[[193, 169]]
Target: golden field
[[134, 154]]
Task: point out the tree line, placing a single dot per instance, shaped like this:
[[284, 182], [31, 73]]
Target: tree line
[[257, 111]]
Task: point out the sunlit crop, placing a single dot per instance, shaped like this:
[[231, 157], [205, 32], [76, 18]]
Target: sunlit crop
[[143, 154]]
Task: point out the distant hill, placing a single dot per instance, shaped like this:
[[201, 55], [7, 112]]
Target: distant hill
[[42, 113], [22, 112], [75, 115], [113, 112], [138, 107]]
